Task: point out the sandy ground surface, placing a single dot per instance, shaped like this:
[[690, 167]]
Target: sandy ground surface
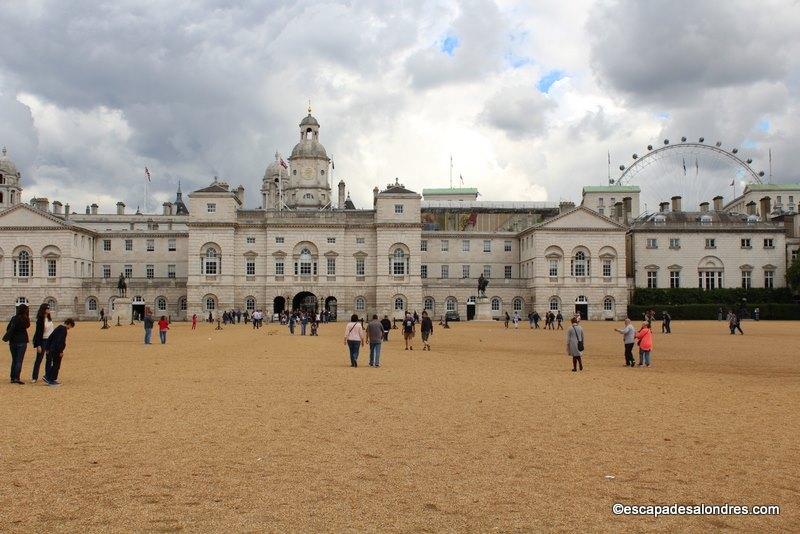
[[242, 430]]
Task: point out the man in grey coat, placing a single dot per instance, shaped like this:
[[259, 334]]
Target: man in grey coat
[[575, 341]]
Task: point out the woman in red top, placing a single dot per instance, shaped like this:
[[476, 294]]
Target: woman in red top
[[163, 326], [645, 337], [194, 321]]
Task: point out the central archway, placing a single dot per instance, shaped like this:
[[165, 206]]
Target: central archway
[[305, 301], [330, 307]]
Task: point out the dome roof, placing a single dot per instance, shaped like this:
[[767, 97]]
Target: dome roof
[[309, 120], [6, 165], [275, 168], [309, 148]]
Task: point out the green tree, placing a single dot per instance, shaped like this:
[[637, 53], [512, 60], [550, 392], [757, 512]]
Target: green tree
[[793, 275]]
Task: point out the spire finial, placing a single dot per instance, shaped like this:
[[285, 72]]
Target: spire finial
[[179, 187], [309, 106]]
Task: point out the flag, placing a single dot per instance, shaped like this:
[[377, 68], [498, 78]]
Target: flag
[[733, 182], [473, 219], [609, 157], [333, 165], [283, 164], [696, 167], [462, 179], [684, 166], [147, 174]]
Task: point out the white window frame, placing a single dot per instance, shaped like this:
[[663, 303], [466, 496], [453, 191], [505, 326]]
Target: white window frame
[[445, 271], [151, 245], [52, 267], [171, 273], [507, 272], [487, 245], [465, 245], [398, 209], [674, 279], [652, 279], [250, 266], [465, 271], [360, 267], [211, 207], [129, 245], [150, 271], [331, 266]]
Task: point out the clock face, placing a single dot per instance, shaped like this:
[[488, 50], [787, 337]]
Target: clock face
[[308, 173]]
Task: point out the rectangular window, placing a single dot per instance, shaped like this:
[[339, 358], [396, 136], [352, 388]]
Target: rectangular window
[[445, 245], [674, 279], [769, 279], [711, 243], [51, 268], [278, 240], [170, 271], [465, 271], [778, 201], [746, 243], [172, 245], [129, 245], [652, 242], [769, 243], [128, 271], [106, 271], [747, 278], [107, 245], [423, 271], [211, 208], [250, 267], [601, 211], [360, 241], [507, 271], [360, 267], [251, 240], [600, 201], [398, 209], [278, 267], [652, 279], [151, 245], [445, 271], [674, 243], [553, 268], [423, 245], [487, 245], [331, 240], [151, 271], [606, 268], [465, 245], [487, 271], [331, 266], [507, 245]]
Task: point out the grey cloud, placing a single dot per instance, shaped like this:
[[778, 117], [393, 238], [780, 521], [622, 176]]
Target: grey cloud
[[519, 111]]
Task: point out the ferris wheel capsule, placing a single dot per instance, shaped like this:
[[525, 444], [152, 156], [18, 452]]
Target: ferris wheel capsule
[[701, 139], [749, 161], [719, 144], [761, 173], [635, 156], [735, 150], [683, 139], [622, 167], [649, 147], [666, 141]]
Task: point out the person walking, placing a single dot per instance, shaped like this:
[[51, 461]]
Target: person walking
[[44, 327], [194, 321], [426, 329], [55, 352], [148, 327], [645, 337], [163, 326], [575, 346], [515, 319], [666, 320], [374, 338], [17, 337], [354, 338], [506, 319], [559, 320], [628, 338], [408, 331], [291, 323], [536, 319], [102, 314], [387, 325], [303, 323]]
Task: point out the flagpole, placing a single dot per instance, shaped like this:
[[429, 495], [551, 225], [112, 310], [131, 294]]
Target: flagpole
[[451, 171], [770, 165]]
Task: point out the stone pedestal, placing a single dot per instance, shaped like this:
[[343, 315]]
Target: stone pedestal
[[483, 309], [122, 310]]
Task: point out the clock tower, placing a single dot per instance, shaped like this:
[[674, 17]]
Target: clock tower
[[308, 185]]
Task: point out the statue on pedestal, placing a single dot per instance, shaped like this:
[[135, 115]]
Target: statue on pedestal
[[483, 283], [122, 287]]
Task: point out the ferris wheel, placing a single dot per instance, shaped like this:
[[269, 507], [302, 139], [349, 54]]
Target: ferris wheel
[[697, 171]]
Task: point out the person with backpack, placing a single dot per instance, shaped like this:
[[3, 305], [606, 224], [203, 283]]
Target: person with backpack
[[44, 327], [426, 328], [17, 337], [354, 338], [408, 331], [559, 320], [55, 352], [387, 325], [575, 345], [645, 338]]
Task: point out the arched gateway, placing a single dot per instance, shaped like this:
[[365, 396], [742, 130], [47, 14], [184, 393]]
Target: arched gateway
[[305, 301]]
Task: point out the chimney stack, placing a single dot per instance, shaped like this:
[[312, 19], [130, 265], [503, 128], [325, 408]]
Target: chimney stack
[[676, 204], [66, 211], [565, 205], [627, 203], [766, 208], [94, 209], [704, 207], [375, 192], [240, 194], [751, 207], [341, 195], [120, 208], [717, 203], [41, 204], [167, 208], [618, 211], [57, 207], [663, 207]]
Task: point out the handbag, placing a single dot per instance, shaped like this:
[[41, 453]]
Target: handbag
[[7, 335], [580, 340]]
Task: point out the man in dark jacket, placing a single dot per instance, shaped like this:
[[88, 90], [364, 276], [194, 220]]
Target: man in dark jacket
[[56, 344], [148, 327], [387, 325]]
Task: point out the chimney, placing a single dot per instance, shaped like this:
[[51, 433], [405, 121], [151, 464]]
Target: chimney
[[766, 208], [88, 210], [704, 207], [565, 205], [341, 195], [66, 211], [717, 203], [676, 204], [618, 211], [375, 192], [627, 202], [240, 194], [120, 208], [167, 208], [94, 209], [41, 204], [57, 207], [751, 207], [663, 207]]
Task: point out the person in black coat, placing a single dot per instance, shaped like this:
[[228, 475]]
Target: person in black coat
[[17, 337], [56, 344], [39, 341]]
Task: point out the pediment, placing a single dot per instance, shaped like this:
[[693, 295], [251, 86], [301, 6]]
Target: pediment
[[579, 218], [23, 215]]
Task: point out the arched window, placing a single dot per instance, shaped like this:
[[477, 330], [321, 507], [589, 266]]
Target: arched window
[[608, 304], [161, 304], [211, 304], [555, 304], [580, 264], [211, 262], [91, 304], [361, 304], [495, 304], [450, 304], [429, 304], [305, 263], [581, 300], [471, 300], [399, 304], [308, 196], [517, 304], [20, 300], [22, 264], [398, 262], [250, 304]]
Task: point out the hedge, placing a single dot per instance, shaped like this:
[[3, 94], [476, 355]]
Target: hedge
[[768, 311], [718, 297]]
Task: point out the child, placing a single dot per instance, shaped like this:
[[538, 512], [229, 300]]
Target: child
[[163, 326], [427, 330], [56, 344]]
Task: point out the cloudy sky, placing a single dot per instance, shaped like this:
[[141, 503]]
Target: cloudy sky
[[528, 97]]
